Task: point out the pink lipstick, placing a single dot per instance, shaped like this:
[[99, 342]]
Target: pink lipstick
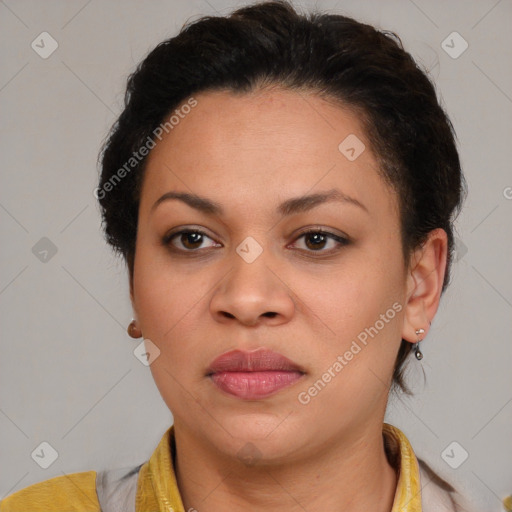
[[253, 375]]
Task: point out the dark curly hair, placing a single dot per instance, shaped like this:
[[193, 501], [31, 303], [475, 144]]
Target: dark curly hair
[[337, 57]]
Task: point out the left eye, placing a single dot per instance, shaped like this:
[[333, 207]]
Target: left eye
[[316, 240]]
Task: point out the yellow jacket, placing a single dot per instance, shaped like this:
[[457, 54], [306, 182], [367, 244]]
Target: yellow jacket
[[152, 486]]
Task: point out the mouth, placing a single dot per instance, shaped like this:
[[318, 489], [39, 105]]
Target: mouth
[[253, 375]]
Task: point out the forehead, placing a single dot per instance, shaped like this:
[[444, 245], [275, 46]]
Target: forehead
[[296, 121], [250, 145]]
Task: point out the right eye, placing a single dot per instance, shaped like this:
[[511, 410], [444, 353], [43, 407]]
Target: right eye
[[186, 240]]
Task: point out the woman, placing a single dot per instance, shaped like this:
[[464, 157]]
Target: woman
[[282, 188]]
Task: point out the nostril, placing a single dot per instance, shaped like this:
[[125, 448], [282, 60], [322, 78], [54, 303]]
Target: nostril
[[270, 314]]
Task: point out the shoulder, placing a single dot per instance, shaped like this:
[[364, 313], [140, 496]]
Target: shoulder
[[437, 494], [75, 492]]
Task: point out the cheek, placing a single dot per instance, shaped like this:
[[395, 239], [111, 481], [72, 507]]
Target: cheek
[[362, 306], [168, 306], [172, 307], [353, 297], [163, 295]]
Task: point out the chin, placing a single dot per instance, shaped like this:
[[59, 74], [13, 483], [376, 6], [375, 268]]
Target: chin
[[258, 438]]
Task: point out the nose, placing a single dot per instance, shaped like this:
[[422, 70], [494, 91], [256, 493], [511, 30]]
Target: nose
[[252, 294]]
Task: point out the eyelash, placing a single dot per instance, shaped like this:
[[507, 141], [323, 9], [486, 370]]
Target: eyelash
[[341, 241]]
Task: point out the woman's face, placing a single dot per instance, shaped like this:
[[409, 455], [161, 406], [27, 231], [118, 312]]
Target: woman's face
[[332, 304]]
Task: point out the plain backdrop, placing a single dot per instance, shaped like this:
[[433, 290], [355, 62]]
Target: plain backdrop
[[68, 373]]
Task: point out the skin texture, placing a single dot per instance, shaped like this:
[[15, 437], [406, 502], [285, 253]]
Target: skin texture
[[249, 153]]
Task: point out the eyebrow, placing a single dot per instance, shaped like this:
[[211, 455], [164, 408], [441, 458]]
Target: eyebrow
[[289, 207]]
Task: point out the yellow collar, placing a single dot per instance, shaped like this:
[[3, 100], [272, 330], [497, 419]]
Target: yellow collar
[[408, 488], [157, 488]]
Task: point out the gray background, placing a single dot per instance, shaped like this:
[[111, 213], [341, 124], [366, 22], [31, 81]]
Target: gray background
[[68, 373]]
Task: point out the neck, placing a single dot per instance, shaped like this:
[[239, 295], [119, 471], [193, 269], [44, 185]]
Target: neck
[[351, 475]]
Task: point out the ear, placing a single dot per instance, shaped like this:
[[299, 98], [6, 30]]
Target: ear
[[132, 293], [132, 296], [425, 278]]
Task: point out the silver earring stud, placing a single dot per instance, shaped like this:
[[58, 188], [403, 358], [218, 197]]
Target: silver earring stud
[[417, 351]]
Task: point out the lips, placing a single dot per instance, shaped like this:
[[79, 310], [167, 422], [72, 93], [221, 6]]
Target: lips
[[253, 375]]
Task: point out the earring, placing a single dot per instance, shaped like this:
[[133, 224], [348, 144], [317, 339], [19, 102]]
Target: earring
[[417, 351], [133, 330]]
